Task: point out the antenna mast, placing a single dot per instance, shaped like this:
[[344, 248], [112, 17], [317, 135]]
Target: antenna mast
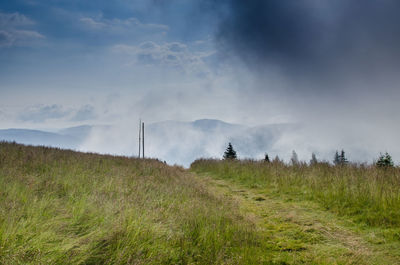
[[143, 139], [140, 125]]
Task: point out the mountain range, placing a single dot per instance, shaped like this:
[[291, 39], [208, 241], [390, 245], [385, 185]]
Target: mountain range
[[171, 141]]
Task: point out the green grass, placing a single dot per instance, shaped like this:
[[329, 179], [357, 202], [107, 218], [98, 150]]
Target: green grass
[[324, 214], [65, 207], [368, 195]]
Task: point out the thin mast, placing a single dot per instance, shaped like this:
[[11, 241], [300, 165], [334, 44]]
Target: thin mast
[[143, 139], [140, 130]]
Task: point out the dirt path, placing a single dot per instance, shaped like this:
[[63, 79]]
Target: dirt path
[[303, 232]]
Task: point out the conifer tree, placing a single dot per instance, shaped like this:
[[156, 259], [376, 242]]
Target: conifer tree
[[266, 158], [343, 159], [340, 159], [336, 159], [385, 161], [314, 159], [295, 159], [230, 153]]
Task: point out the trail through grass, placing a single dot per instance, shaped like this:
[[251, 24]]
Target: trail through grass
[[305, 230], [65, 207]]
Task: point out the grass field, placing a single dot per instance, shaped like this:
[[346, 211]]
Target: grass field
[[368, 194], [366, 198], [65, 207]]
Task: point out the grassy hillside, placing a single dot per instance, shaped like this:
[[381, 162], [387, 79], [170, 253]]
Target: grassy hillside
[[365, 197], [368, 194], [65, 207]]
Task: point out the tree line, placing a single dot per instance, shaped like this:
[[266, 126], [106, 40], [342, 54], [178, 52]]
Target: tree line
[[339, 159]]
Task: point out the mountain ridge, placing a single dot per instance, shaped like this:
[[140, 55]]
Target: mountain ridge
[[177, 142]]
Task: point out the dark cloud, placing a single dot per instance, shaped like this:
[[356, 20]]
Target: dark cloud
[[312, 44], [269, 30], [313, 40]]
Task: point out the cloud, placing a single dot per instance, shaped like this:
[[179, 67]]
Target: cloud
[[41, 113], [85, 113], [317, 45], [173, 54], [16, 19], [15, 30], [119, 26], [332, 65], [6, 39]]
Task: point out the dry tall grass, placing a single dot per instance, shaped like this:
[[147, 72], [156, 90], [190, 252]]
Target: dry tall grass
[[65, 207]]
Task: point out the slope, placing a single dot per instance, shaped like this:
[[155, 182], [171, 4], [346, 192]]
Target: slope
[[304, 229], [65, 207]]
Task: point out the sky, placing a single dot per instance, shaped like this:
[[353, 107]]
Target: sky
[[331, 66]]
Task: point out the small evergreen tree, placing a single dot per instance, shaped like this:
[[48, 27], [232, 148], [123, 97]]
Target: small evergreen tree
[[385, 161], [295, 159], [314, 159], [266, 158], [340, 159], [343, 159], [336, 159], [230, 153]]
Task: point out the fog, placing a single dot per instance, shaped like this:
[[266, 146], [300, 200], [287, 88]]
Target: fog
[[329, 69]]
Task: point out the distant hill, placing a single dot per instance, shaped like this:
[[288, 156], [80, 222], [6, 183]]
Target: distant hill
[[173, 141], [79, 131], [36, 137], [213, 125]]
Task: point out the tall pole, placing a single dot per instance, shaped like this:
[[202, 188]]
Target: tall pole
[[140, 130], [143, 139]]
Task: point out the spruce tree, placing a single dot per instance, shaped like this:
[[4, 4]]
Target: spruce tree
[[266, 158], [230, 153], [343, 159], [385, 161], [295, 159], [336, 159], [340, 159], [314, 159]]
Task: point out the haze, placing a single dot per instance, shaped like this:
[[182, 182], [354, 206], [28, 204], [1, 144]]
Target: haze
[[327, 70]]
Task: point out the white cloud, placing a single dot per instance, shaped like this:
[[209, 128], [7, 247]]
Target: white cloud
[[27, 34], [118, 26], [16, 19], [173, 54], [15, 30], [85, 113], [42, 113], [91, 23]]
